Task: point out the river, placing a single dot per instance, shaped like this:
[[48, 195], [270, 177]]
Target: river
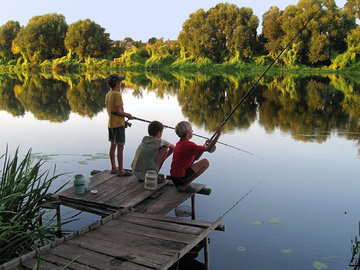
[[299, 168]]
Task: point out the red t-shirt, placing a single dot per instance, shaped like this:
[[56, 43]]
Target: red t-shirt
[[183, 157]]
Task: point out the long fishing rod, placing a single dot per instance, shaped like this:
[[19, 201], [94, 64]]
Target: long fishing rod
[[256, 83], [200, 136]]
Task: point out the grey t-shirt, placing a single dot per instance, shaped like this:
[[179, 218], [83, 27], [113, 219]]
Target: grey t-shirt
[[146, 155]]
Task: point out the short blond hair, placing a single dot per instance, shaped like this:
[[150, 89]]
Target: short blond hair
[[181, 128]]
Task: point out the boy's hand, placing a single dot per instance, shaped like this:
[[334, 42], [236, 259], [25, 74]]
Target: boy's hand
[[129, 116]]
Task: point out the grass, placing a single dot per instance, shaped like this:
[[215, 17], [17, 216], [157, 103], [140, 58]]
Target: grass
[[23, 190]]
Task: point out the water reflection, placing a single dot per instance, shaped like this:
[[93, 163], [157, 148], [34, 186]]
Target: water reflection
[[310, 108]]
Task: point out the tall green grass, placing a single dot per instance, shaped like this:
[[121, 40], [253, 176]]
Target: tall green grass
[[23, 190]]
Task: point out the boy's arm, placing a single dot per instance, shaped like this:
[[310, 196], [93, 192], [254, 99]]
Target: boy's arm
[[120, 112], [212, 143], [171, 150]]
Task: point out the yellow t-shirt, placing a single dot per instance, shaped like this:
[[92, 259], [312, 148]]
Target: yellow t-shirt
[[113, 99]]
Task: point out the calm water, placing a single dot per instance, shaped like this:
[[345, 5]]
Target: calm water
[[303, 134]]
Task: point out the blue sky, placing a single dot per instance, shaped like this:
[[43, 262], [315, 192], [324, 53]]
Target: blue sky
[[138, 19]]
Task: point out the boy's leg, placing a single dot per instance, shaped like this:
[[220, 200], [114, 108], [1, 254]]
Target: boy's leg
[[112, 156], [198, 168], [120, 151], [163, 154]]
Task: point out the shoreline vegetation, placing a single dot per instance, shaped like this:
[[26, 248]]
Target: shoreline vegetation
[[67, 64], [222, 39]]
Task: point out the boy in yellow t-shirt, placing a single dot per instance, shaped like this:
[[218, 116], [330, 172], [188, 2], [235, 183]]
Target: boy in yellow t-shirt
[[116, 124]]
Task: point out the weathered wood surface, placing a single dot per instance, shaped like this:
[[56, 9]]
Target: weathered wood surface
[[115, 193], [131, 241]]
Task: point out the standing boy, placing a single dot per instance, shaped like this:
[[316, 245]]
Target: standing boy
[[183, 169], [116, 124], [152, 151]]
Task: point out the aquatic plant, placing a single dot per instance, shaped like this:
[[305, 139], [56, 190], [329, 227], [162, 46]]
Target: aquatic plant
[[23, 190], [320, 266], [355, 253]]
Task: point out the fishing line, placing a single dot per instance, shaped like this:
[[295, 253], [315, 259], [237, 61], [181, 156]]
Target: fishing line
[[257, 81], [241, 199]]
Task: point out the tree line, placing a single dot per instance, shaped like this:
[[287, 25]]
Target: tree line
[[225, 33]]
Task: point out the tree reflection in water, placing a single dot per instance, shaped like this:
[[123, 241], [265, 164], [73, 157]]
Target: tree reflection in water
[[311, 107]]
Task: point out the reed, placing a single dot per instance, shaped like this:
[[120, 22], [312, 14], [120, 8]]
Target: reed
[[23, 190]]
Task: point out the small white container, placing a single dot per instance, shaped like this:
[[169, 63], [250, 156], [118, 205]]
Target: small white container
[[151, 178]]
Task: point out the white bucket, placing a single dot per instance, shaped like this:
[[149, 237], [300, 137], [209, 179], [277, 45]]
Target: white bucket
[[151, 179]]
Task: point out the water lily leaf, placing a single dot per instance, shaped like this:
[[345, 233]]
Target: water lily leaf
[[275, 220], [83, 162], [319, 266], [257, 223], [241, 249], [333, 257], [286, 251]]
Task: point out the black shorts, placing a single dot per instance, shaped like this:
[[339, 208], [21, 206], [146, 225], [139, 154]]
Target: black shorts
[[117, 135], [178, 182]]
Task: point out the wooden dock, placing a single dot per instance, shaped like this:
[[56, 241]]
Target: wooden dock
[[134, 232], [115, 193]]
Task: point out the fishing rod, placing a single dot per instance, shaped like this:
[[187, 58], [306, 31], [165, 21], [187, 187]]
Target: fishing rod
[[200, 136], [256, 83]]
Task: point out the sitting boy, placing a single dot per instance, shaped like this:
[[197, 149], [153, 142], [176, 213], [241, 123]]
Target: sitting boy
[[152, 151], [183, 169]]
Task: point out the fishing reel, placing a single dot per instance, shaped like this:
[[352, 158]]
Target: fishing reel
[[127, 124]]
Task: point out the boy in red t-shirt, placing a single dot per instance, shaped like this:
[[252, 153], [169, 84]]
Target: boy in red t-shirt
[[183, 169]]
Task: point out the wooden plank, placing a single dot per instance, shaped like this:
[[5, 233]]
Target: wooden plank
[[101, 211], [98, 178], [90, 258], [75, 265], [31, 263], [106, 189], [162, 246], [199, 238], [151, 232], [169, 200], [138, 196], [112, 248], [169, 226], [194, 223], [113, 188]]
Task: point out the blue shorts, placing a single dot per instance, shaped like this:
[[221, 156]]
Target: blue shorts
[[178, 182]]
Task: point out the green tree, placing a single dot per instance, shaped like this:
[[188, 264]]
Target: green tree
[[222, 33], [271, 29], [353, 6], [353, 41], [8, 33], [324, 34], [42, 38], [87, 39]]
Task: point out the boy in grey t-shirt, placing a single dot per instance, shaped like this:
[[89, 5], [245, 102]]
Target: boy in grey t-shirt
[[152, 151]]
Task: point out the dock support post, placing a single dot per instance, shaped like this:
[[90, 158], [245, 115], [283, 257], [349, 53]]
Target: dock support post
[[193, 207], [206, 253], [58, 219]]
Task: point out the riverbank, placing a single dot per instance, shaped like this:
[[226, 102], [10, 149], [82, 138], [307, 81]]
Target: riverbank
[[67, 64]]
